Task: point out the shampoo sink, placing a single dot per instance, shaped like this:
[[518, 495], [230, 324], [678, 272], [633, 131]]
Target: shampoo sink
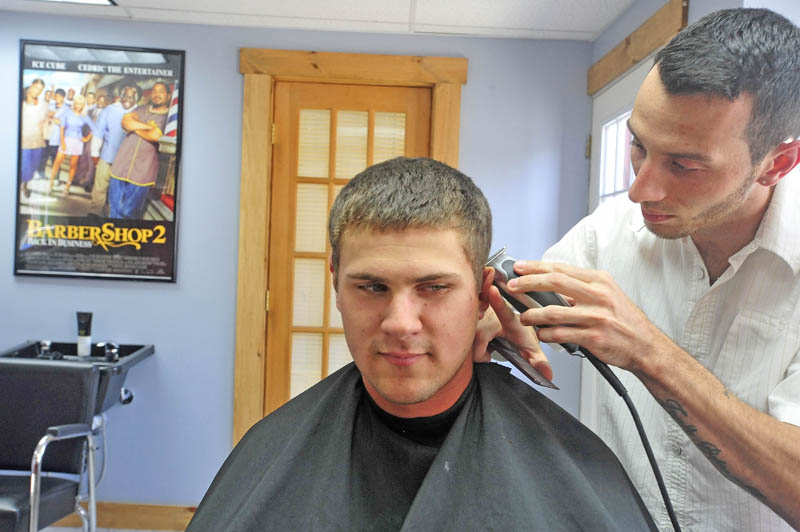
[[113, 368]]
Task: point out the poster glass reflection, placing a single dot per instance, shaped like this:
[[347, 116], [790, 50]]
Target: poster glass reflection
[[98, 164]]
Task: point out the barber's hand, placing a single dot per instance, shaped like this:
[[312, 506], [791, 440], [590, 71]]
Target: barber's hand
[[500, 320], [602, 318]]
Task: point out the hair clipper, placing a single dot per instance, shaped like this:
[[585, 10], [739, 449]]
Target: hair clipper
[[503, 265]]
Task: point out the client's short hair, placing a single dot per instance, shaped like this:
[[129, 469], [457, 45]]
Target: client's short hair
[[405, 193]]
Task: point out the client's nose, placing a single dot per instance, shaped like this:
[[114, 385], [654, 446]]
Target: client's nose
[[401, 316]]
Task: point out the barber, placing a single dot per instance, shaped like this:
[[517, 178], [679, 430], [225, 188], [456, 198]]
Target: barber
[[692, 288]]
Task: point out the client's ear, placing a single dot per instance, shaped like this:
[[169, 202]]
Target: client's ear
[[334, 276], [780, 161], [483, 295]]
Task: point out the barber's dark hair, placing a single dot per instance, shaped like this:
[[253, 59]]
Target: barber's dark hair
[[737, 51], [61, 92], [405, 193]]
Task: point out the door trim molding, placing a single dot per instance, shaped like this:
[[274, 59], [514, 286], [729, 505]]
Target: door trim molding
[[261, 68], [355, 69]]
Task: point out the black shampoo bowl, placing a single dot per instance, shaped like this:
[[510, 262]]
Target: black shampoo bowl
[[112, 372]]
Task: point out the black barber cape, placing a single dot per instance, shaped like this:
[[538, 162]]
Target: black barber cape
[[512, 460]]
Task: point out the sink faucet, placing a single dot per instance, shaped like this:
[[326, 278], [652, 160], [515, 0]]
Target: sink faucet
[[111, 350]]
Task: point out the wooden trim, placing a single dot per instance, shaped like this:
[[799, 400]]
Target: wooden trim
[[117, 515], [251, 323], [261, 68], [445, 123], [656, 31], [277, 375], [369, 69]]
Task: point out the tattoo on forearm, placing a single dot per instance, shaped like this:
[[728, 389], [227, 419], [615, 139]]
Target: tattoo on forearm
[[711, 451]]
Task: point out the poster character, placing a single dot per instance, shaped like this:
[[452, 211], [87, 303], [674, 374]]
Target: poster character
[[135, 166], [72, 140], [34, 120], [111, 135]]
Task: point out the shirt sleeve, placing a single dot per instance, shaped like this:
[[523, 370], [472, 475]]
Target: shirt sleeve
[[578, 247], [102, 123], [784, 400]]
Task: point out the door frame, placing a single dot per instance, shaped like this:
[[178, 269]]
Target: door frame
[[261, 68]]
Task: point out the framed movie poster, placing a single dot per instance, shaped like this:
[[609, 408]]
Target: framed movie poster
[[99, 152]]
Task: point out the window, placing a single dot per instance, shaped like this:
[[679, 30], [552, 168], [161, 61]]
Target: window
[[616, 172]]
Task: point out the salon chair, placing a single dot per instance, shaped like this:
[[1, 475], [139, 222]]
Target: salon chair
[[46, 443]]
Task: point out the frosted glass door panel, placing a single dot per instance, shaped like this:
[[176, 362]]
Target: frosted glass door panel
[[324, 134], [313, 152], [309, 292], [351, 142], [338, 353], [306, 362], [390, 136], [312, 211]]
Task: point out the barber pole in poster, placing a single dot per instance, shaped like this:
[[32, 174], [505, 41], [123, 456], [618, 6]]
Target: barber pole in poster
[[99, 152]]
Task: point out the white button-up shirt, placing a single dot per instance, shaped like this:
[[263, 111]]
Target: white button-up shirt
[[745, 329]]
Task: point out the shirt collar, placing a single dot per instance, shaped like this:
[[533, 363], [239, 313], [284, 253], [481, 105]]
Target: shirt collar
[[779, 231]]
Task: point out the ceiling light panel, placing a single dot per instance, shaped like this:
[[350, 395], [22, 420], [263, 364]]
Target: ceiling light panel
[[391, 11], [570, 16], [90, 2]]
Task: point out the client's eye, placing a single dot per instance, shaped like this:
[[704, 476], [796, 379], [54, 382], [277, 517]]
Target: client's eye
[[435, 287], [373, 287]]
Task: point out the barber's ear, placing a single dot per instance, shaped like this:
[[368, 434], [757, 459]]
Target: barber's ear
[[483, 295], [779, 162]]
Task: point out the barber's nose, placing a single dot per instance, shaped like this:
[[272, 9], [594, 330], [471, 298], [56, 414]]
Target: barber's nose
[[649, 183], [401, 316]]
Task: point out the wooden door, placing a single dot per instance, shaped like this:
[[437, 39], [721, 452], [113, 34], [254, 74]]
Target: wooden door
[[324, 135], [261, 70]]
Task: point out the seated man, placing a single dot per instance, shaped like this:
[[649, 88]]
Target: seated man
[[414, 435]]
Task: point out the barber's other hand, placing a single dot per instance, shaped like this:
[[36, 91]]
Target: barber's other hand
[[500, 320], [602, 318]]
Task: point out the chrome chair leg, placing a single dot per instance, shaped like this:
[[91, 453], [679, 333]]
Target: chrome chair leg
[[63, 432], [81, 511]]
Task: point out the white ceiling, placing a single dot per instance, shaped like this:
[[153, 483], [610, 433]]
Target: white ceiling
[[526, 19]]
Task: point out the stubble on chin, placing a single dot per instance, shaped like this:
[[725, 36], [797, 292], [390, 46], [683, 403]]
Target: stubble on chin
[[715, 214]]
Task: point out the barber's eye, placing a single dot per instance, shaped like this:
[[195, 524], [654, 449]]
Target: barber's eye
[[678, 167]]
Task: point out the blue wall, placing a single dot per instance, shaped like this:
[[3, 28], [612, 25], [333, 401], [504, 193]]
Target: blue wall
[[788, 8], [525, 117]]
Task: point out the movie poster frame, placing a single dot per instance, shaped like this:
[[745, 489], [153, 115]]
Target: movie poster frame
[[120, 240]]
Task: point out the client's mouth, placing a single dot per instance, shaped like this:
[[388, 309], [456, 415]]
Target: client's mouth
[[401, 358]]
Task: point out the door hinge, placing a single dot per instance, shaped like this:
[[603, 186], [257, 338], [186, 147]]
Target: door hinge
[[266, 301], [588, 153], [274, 133]]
